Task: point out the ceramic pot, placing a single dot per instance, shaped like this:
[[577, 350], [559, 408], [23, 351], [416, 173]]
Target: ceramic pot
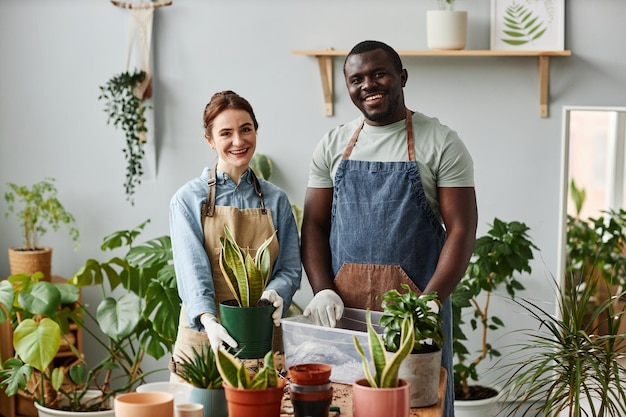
[[251, 327], [53, 412], [422, 372], [311, 400], [254, 402], [388, 402], [144, 404], [446, 29], [489, 407], [310, 373], [213, 400]]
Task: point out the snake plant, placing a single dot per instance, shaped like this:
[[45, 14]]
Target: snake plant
[[386, 367], [246, 276], [235, 373]]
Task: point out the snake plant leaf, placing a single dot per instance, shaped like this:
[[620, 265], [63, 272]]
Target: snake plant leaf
[[37, 343], [389, 377], [119, 318], [7, 296], [253, 283], [228, 367], [267, 377], [232, 265], [366, 368]]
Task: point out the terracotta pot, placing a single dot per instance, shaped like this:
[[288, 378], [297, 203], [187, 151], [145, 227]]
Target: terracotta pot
[[30, 261], [310, 373], [254, 402], [388, 402], [144, 404]]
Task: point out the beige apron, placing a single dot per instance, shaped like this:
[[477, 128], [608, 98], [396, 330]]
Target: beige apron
[[360, 284], [250, 228]]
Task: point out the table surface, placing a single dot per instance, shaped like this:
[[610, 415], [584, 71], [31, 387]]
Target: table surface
[[342, 397]]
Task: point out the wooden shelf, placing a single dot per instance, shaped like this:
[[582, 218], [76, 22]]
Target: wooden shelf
[[325, 62]]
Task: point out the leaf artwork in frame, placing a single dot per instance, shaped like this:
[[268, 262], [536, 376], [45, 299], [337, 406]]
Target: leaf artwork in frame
[[530, 25]]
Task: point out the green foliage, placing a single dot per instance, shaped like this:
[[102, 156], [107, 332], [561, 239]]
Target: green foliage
[[40, 210], [200, 369], [564, 363], [522, 26], [446, 4], [498, 257], [127, 111], [245, 276], [386, 368], [428, 325], [235, 373], [138, 315]]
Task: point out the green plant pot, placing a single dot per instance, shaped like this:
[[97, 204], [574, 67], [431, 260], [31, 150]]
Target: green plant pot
[[213, 400], [251, 327]]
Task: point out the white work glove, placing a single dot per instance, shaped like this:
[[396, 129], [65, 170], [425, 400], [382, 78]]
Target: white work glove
[[277, 301], [325, 308], [216, 333]]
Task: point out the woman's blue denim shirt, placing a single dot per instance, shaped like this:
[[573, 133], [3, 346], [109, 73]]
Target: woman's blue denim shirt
[[192, 265]]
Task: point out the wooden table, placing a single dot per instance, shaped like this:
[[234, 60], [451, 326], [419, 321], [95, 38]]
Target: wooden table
[[342, 397]]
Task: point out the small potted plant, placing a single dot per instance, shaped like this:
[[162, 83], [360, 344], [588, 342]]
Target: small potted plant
[[137, 317], [38, 209], [257, 395], [446, 27], [200, 370], [382, 392], [422, 368], [247, 318], [125, 107], [505, 251]]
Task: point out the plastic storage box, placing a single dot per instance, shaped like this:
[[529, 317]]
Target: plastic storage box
[[305, 342]]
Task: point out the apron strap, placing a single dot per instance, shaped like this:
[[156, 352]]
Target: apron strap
[[208, 208]]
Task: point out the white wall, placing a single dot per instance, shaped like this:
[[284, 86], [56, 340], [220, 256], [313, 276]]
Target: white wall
[[55, 54]]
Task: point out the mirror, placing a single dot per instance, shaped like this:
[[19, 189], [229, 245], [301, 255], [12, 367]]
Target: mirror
[[593, 158]]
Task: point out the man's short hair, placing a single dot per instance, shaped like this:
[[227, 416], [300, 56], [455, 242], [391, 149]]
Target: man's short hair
[[366, 46]]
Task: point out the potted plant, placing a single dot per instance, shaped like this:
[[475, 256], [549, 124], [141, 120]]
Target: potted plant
[[422, 367], [382, 392], [446, 28], [136, 317], [37, 209], [246, 317], [258, 395], [505, 251], [125, 107], [565, 368], [200, 370]]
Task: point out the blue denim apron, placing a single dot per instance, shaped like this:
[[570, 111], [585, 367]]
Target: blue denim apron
[[384, 233]]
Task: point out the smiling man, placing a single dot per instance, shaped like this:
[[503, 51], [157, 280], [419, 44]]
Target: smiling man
[[390, 200]]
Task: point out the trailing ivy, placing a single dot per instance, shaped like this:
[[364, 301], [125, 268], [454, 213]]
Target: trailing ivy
[[124, 109]]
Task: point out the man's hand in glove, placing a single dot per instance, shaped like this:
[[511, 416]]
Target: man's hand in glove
[[325, 308]]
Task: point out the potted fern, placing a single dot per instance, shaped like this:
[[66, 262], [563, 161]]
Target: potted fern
[[383, 392], [200, 370], [422, 367], [38, 209], [246, 317], [250, 395]]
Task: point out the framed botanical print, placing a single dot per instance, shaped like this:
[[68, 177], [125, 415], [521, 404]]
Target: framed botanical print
[[528, 25]]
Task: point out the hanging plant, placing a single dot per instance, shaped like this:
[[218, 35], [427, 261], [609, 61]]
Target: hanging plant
[[125, 108]]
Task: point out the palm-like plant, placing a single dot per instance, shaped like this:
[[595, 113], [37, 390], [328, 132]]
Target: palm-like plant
[[200, 369]]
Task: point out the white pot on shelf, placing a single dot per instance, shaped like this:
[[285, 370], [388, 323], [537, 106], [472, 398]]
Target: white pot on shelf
[[446, 29]]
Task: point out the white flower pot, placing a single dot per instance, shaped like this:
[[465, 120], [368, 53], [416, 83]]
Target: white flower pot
[[446, 29]]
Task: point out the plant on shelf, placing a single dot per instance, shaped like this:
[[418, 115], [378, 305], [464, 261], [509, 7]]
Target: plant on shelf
[[40, 210], [446, 4], [505, 251], [564, 367], [37, 209], [385, 368], [125, 108], [245, 276], [136, 317]]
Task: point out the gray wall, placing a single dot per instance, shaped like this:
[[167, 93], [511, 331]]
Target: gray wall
[[55, 54]]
